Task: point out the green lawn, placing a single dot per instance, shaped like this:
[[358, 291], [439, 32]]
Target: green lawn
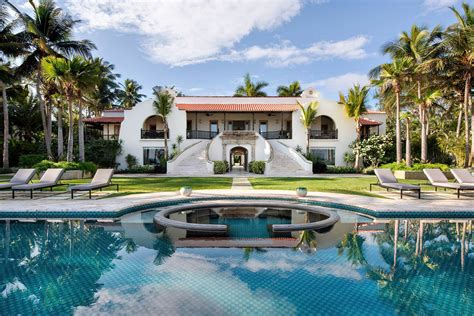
[[355, 185], [147, 185]]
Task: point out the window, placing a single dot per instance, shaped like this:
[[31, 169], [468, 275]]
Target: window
[[152, 155], [116, 130], [326, 154], [189, 125], [214, 126], [152, 127]]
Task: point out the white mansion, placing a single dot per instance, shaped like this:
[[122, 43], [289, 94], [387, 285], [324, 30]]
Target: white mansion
[[236, 129]]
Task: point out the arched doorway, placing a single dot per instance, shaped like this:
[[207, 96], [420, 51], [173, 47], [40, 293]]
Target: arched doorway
[[238, 158]]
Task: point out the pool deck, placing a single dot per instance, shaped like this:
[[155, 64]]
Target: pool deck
[[435, 205]]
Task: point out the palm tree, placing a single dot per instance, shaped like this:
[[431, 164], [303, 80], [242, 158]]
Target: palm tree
[[74, 77], [48, 33], [163, 105], [459, 42], [5, 76], [293, 90], [407, 116], [130, 94], [250, 89], [355, 106], [308, 115], [105, 94], [392, 76], [426, 100]]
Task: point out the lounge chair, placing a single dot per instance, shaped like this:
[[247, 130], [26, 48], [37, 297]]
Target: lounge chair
[[102, 179], [437, 179], [50, 179], [22, 176], [386, 179], [463, 176]]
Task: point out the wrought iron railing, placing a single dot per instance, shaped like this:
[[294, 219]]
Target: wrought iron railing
[[91, 135], [276, 135], [152, 134], [194, 134], [323, 134]]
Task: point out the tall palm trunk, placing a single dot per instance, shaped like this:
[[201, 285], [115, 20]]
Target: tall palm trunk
[[6, 126], [80, 128], [408, 145], [397, 127], [467, 99], [458, 125], [424, 134], [60, 133], [70, 140], [357, 155], [44, 120], [165, 130], [308, 139]]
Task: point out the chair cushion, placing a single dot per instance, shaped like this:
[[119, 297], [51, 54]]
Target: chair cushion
[[52, 175], [23, 176], [435, 176], [463, 176], [385, 176]]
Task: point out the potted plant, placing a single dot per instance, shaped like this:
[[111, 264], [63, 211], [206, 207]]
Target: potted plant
[[301, 192], [185, 191]]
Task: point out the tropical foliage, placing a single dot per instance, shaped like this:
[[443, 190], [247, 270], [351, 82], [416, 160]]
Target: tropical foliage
[[251, 89]]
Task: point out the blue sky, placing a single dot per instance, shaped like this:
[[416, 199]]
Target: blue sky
[[205, 47]]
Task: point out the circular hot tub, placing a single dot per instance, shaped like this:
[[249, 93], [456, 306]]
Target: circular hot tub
[[315, 218]]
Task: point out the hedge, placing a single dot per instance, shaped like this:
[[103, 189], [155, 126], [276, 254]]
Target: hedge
[[257, 166], [220, 167], [415, 167], [84, 166]]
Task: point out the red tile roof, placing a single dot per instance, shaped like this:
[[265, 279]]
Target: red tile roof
[[369, 122], [264, 107], [103, 119]]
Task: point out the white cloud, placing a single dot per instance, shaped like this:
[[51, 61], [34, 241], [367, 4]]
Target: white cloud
[[181, 32], [333, 85], [285, 53], [432, 5]]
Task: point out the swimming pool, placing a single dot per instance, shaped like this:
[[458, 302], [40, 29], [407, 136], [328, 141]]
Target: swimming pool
[[133, 267]]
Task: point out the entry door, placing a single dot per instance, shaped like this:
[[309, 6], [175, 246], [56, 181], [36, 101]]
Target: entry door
[[263, 127], [214, 127], [238, 125]]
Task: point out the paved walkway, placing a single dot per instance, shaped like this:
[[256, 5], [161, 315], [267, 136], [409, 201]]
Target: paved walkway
[[241, 184], [430, 204]]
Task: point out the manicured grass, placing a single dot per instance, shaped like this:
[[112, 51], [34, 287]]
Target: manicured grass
[[148, 185], [355, 185]]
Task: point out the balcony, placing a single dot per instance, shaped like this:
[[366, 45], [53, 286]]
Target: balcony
[[152, 134], [92, 134], [192, 134], [323, 134], [276, 135]]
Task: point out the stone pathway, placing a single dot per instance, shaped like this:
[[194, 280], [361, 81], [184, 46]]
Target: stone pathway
[[241, 184]]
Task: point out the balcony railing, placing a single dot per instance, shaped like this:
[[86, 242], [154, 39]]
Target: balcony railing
[[152, 134], [276, 135], [90, 135], [200, 134], [323, 134]]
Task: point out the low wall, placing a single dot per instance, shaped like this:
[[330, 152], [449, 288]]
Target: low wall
[[416, 175]]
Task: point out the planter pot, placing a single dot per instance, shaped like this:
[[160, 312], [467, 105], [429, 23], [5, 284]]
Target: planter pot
[[301, 192], [185, 191], [416, 175], [74, 174]]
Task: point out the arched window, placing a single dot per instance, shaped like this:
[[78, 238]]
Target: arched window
[[324, 127]]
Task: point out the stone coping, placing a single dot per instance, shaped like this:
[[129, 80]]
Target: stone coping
[[119, 206]]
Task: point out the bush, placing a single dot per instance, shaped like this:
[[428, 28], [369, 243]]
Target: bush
[[415, 167], [142, 169], [220, 167], [257, 166], [369, 170], [373, 150], [341, 169], [131, 161], [84, 166], [28, 161], [103, 152]]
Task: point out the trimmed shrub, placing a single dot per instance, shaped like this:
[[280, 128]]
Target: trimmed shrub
[[103, 152], [220, 167], [415, 167], [257, 166], [131, 161], [28, 161], [341, 169], [84, 166]]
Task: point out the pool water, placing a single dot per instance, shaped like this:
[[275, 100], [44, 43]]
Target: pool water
[[130, 268]]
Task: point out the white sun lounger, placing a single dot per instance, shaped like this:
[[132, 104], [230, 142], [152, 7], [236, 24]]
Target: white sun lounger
[[387, 180], [102, 179], [22, 176], [49, 180], [463, 176], [437, 179]]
